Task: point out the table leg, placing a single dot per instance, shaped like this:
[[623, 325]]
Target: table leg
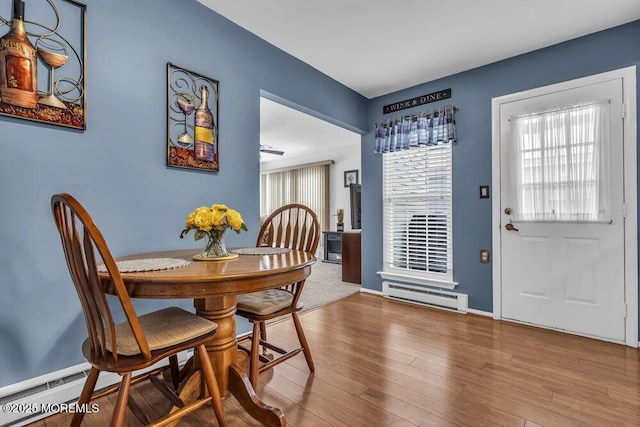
[[223, 352]]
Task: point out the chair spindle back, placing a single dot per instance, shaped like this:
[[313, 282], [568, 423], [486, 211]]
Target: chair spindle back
[[292, 226], [80, 239]]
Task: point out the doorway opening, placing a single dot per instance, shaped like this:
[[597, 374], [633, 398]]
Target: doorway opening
[[305, 141]]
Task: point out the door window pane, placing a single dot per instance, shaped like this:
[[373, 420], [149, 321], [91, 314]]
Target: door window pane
[[561, 164]]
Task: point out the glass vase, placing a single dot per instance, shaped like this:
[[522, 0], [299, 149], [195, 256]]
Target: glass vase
[[215, 246]]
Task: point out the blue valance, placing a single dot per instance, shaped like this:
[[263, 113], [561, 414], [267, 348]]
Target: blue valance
[[425, 128]]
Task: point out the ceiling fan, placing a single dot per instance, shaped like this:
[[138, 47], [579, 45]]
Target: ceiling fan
[[268, 149]]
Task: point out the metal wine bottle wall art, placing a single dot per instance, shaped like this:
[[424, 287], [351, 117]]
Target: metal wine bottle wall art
[[192, 120], [42, 61]]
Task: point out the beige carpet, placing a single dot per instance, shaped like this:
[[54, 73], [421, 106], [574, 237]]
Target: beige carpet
[[325, 285]]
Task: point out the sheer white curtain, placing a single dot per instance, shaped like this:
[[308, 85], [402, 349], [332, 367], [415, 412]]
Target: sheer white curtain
[[561, 164], [307, 185]]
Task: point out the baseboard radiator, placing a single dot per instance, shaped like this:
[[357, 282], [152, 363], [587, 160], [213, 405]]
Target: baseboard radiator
[[426, 296], [40, 397]]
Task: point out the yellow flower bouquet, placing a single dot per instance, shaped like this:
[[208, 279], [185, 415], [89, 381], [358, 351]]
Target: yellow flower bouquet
[[211, 223]]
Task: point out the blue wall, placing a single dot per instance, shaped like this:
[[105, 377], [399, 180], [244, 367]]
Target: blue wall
[[472, 92], [116, 168]]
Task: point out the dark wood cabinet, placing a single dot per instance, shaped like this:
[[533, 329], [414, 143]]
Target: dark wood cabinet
[[351, 258]]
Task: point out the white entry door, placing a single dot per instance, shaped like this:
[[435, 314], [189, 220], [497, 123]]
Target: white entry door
[[562, 210]]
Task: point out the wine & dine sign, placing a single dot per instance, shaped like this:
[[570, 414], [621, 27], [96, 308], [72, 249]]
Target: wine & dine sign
[[418, 100]]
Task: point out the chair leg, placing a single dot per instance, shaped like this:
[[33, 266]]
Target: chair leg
[[175, 371], [303, 342], [121, 403], [263, 336], [85, 396], [253, 357], [212, 385]]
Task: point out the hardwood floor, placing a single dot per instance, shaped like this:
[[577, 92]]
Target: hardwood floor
[[384, 363]]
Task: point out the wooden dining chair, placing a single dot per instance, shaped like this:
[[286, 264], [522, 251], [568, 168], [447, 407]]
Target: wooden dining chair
[[136, 343], [296, 227]]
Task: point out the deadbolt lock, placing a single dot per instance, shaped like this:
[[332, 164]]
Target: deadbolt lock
[[508, 211]]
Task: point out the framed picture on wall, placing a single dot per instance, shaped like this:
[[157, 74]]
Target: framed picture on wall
[[350, 177], [192, 120], [42, 62]]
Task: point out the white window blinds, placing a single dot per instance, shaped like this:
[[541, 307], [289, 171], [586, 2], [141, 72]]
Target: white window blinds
[[417, 230]]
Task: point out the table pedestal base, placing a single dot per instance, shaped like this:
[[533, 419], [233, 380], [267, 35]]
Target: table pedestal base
[[240, 387], [223, 352]]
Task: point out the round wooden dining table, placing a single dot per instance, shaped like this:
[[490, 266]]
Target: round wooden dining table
[[214, 286]]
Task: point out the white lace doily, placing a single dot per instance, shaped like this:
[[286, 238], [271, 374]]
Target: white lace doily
[[146, 264], [261, 251]]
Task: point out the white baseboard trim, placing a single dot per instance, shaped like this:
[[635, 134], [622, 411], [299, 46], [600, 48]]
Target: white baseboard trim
[[370, 291], [480, 312], [51, 393]]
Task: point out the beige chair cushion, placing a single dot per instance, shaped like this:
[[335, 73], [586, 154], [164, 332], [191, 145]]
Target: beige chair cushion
[[265, 302], [162, 328]]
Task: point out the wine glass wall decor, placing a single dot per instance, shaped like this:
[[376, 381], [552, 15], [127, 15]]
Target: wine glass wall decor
[[192, 120], [49, 84]]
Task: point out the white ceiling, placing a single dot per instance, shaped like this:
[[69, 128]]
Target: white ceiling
[[302, 137], [376, 47]]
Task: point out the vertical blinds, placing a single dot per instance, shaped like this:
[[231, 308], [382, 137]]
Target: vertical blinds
[[417, 231], [308, 186]]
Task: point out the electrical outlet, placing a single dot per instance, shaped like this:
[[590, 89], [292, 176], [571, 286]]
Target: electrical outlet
[[484, 256]]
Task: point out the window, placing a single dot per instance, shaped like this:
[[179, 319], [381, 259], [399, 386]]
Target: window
[[306, 185], [562, 164], [417, 230]]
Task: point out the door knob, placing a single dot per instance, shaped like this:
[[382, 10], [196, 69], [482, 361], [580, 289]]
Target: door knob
[[510, 227]]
